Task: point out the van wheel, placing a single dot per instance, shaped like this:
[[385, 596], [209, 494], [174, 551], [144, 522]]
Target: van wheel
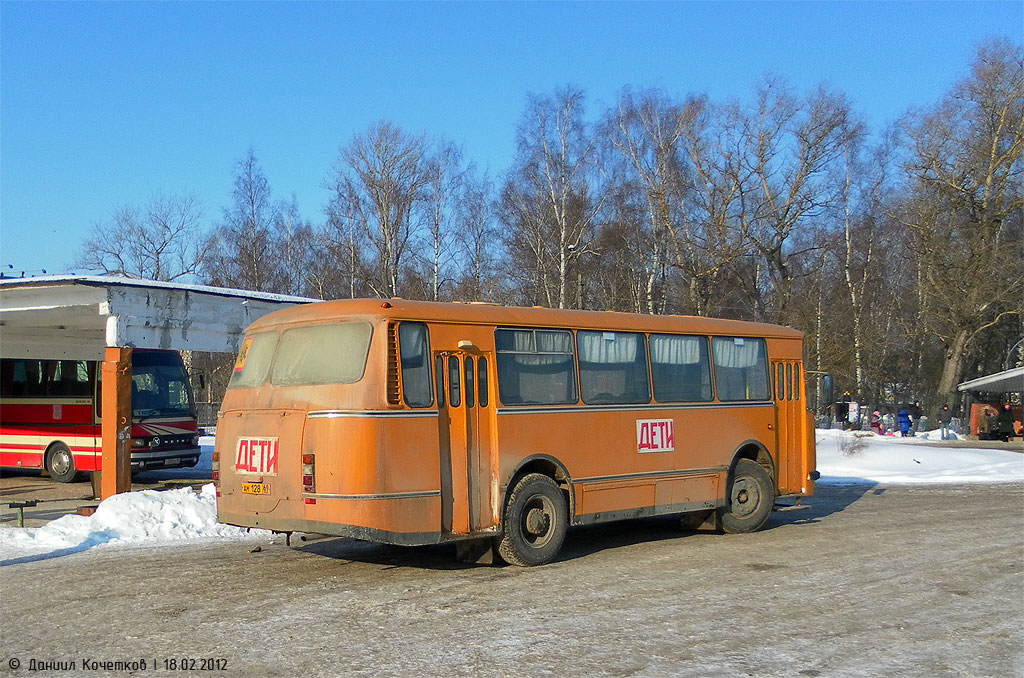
[[60, 464], [535, 522], [750, 498]]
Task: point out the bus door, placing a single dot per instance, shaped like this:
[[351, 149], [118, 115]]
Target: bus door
[[789, 401], [464, 405]]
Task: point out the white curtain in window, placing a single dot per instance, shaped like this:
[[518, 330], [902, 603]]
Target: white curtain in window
[[552, 342], [607, 347], [675, 350], [737, 352]]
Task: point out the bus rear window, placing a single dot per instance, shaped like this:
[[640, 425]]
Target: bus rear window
[[253, 360], [333, 353]]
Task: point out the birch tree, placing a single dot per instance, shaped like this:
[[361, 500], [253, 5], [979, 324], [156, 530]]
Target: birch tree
[[378, 183]]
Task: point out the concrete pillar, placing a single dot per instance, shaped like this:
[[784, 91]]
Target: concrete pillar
[[116, 422]]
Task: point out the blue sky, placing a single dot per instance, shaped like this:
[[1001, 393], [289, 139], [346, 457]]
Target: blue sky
[[108, 103]]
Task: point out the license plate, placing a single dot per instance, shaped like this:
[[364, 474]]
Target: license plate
[[255, 488]]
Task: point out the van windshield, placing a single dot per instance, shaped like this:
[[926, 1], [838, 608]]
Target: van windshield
[[333, 353]]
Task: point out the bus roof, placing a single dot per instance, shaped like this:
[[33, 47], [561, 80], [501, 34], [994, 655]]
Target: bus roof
[[513, 316]]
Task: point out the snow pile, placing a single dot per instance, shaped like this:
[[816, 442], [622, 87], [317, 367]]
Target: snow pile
[[148, 517], [856, 456]]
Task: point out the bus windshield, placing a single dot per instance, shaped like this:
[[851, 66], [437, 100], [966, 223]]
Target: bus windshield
[[159, 385]]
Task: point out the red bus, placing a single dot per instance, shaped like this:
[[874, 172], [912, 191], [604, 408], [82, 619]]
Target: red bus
[[50, 414]]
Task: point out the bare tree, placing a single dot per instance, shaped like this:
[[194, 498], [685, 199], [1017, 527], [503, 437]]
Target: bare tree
[[476, 241], [445, 174], [378, 182], [964, 206], [789, 148], [246, 249], [162, 240], [548, 200]]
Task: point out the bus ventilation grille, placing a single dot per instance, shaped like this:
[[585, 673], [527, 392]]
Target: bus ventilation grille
[[393, 385]]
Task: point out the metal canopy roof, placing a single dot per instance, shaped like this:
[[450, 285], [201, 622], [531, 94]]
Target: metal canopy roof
[[1008, 381], [77, 316]]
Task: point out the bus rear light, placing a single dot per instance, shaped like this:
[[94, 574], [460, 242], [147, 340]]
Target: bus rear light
[[215, 456], [310, 500], [308, 474], [215, 476]]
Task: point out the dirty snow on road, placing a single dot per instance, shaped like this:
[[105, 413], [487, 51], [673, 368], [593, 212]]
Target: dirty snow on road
[[161, 518]]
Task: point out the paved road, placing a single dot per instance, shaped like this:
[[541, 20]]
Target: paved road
[[871, 581]]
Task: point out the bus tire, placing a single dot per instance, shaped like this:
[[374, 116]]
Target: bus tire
[[749, 499], [535, 522], [60, 464]]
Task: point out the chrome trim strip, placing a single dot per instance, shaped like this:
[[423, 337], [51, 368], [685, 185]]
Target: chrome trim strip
[[370, 414], [388, 495], [560, 409], [652, 474]]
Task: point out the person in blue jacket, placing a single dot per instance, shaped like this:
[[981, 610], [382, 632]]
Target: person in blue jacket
[[903, 420]]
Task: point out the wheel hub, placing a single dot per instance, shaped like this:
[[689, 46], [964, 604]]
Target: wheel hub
[[537, 521], [745, 497]]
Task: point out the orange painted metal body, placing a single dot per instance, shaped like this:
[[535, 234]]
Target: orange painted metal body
[[388, 472]]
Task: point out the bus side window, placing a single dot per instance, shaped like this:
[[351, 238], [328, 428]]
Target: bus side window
[[439, 380], [481, 380], [680, 368], [468, 371], [454, 394], [412, 345], [789, 381], [796, 382], [780, 384], [741, 368]]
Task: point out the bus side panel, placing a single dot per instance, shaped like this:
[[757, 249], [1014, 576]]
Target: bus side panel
[[30, 427], [602, 451], [379, 458]]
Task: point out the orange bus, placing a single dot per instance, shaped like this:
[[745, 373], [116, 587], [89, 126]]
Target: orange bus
[[495, 427]]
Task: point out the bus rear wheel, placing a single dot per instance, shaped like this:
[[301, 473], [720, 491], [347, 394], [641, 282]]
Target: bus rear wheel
[[60, 464], [749, 500], [535, 522]]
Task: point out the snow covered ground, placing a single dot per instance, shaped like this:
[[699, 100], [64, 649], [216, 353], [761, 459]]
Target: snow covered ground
[[859, 456], [159, 518]]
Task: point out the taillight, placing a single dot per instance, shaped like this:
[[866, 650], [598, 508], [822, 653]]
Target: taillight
[[308, 474], [215, 467]]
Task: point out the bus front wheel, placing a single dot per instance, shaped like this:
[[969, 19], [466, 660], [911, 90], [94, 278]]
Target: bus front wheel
[[60, 464], [749, 499], [535, 522]]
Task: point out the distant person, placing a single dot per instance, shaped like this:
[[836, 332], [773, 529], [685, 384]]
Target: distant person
[[903, 421], [876, 422], [987, 423], [1004, 423], [915, 416], [944, 417]]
